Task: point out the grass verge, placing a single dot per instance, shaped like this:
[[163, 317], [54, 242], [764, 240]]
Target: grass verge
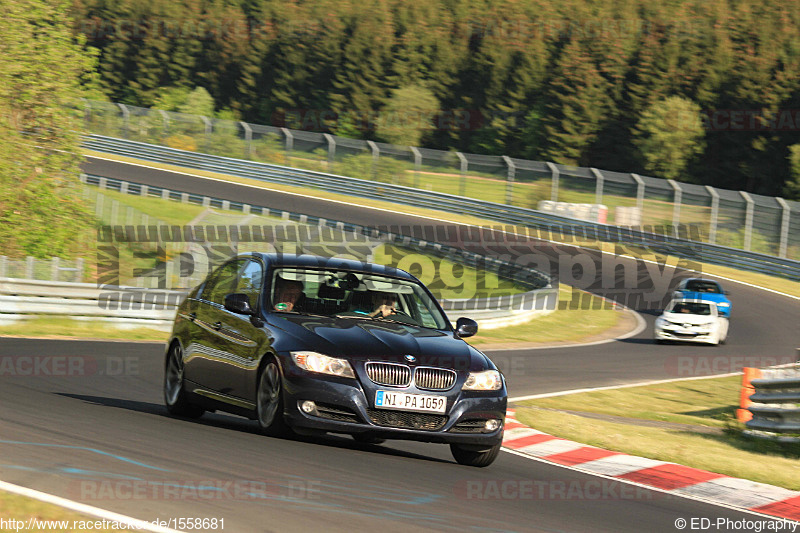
[[560, 326], [689, 422], [21, 508], [58, 327]]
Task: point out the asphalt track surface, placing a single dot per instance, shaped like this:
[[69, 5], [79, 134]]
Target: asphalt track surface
[[84, 420]]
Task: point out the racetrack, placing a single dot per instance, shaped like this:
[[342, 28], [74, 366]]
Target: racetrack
[[104, 439], [101, 436]]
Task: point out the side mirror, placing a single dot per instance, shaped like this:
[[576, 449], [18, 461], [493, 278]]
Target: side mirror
[[238, 303], [466, 327]]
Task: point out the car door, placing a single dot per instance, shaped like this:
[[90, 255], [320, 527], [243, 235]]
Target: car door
[[209, 361], [243, 337]]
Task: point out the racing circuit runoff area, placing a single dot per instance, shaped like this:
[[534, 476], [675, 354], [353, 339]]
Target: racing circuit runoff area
[[89, 424]]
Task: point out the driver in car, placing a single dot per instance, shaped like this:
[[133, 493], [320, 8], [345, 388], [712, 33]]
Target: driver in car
[[287, 293], [384, 304]]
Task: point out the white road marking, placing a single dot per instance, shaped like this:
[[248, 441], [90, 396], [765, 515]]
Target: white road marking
[[132, 523]]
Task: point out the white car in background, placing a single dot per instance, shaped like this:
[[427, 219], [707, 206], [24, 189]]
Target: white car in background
[[690, 320]]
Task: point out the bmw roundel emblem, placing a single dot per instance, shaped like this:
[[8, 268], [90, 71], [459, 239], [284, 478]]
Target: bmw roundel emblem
[[411, 358]]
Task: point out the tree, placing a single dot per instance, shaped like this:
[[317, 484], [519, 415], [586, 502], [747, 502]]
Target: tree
[[407, 115], [579, 105], [792, 187], [668, 135], [42, 66]]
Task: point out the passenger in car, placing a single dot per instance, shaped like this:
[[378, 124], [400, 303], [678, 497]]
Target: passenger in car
[[287, 294]]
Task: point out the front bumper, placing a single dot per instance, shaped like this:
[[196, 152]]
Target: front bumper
[[705, 337], [347, 406]]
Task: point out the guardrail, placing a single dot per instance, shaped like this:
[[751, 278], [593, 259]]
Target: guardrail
[[120, 307], [678, 245], [775, 404], [752, 222]]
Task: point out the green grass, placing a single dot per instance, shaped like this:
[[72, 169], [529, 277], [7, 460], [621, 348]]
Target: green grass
[[168, 211], [560, 326], [20, 508], [42, 326], [706, 403]]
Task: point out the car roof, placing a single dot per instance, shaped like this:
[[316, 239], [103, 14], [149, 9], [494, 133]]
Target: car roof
[[693, 301], [316, 261], [687, 280]]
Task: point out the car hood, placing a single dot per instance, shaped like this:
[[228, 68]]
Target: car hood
[[372, 340], [685, 318]]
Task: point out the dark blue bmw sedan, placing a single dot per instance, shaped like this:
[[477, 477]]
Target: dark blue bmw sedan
[[308, 344]]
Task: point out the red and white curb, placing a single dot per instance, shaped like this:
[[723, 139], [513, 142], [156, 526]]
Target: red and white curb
[[669, 477]]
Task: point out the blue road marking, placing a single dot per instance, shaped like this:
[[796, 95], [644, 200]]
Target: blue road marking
[[93, 450]]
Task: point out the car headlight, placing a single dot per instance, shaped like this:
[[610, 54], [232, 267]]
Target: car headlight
[[323, 364], [708, 326], [723, 304], [486, 380], [661, 322]]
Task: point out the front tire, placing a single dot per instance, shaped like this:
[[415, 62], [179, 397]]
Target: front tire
[[480, 459], [269, 401], [175, 397]]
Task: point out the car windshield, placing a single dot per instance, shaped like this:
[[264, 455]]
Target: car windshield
[[691, 308], [357, 295], [702, 286]]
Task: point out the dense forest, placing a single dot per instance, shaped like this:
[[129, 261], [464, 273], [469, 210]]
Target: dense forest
[[705, 91]]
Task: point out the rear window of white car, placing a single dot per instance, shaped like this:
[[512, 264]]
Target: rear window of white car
[[691, 308]]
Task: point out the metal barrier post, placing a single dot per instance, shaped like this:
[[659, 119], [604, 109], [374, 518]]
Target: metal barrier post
[[639, 195], [3, 263], [29, 267], [512, 170], [248, 139], [125, 119], [417, 165], [784, 239], [54, 268], [554, 183], [207, 133], [165, 117], [376, 153], [676, 208], [464, 164], [331, 148], [78, 270], [598, 190], [712, 228], [289, 146], [748, 220]]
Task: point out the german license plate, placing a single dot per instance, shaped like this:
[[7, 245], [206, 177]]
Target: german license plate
[[410, 402]]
